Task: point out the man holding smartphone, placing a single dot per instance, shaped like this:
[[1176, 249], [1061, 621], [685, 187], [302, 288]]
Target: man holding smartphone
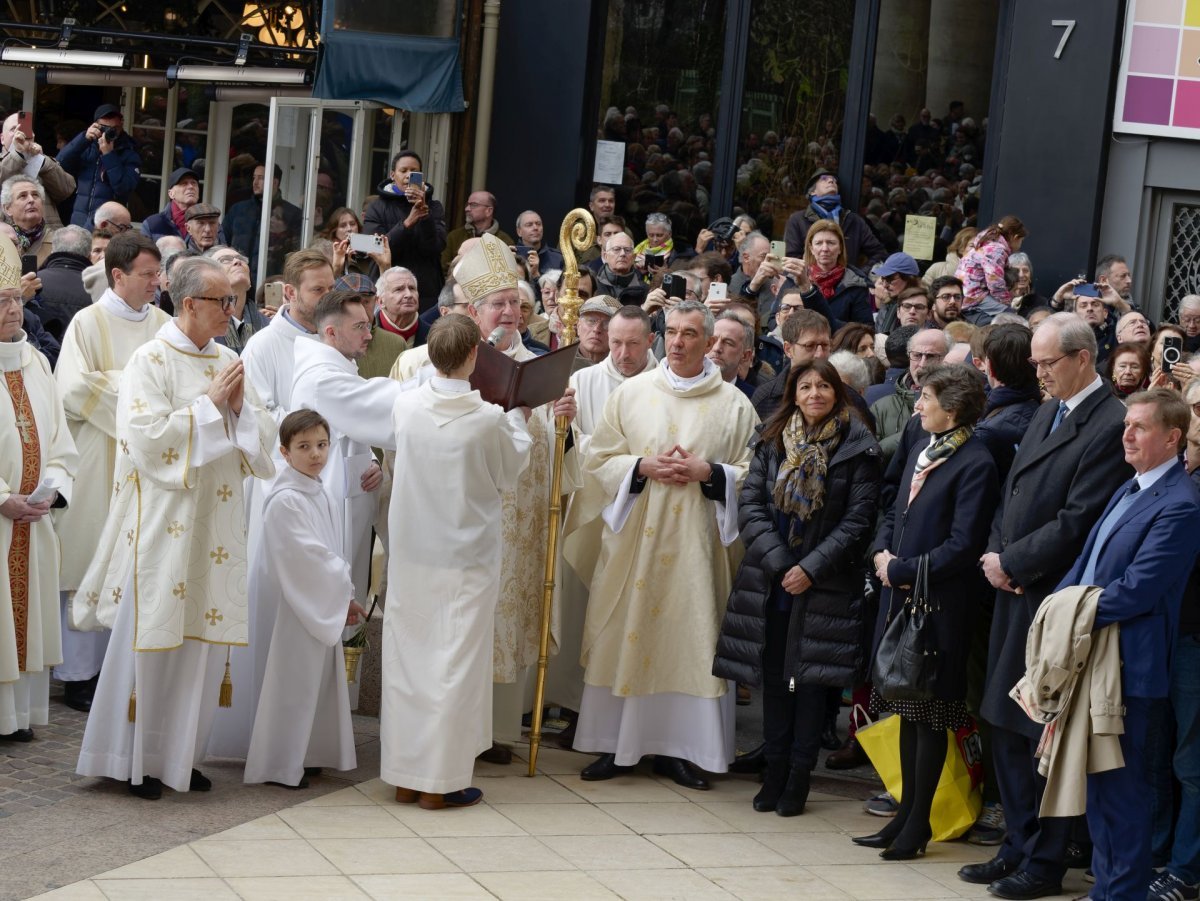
[[415, 224], [21, 154]]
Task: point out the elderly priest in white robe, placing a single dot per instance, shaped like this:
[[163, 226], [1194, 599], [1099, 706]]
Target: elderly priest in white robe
[[437, 630], [629, 339], [664, 466], [169, 576], [487, 277], [99, 342], [37, 464]]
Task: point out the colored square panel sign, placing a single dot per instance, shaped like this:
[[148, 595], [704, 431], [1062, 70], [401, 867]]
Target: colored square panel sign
[[1147, 100]]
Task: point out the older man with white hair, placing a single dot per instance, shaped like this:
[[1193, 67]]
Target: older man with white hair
[[20, 154], [1189, 318], [399, 306]]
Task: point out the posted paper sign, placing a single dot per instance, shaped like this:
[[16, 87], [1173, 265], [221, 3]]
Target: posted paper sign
[[919, 233], [610, 163]]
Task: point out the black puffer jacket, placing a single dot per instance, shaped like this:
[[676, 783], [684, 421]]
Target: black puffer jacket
[[418, 249], [827, 636]]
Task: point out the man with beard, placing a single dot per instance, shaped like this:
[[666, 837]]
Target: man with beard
[[947, 293]]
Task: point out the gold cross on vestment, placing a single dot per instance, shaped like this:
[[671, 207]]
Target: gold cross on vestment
[[213, 616], [211, 371], [24, 424]]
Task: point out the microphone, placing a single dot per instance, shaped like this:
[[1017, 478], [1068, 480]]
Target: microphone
[[497, 336]]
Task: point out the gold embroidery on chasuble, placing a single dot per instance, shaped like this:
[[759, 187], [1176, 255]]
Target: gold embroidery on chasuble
[[18, 551]]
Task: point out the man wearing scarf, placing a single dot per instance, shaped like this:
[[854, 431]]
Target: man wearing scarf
[[617, 277], [825, 202], [662, 470]]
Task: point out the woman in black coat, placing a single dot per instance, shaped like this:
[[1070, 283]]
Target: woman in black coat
[[944, 510], [795, 620]]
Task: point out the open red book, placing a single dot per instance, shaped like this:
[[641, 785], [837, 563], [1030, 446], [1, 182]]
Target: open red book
[[501, 380]]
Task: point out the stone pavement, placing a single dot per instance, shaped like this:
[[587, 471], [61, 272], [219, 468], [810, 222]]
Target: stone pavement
[[550, 837]]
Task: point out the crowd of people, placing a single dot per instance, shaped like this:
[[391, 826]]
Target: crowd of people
[[781, 453]]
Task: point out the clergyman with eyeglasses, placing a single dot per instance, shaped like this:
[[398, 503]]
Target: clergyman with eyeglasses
[[169, 573]]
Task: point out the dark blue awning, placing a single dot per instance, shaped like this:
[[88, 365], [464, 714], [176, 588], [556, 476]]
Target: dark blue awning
[[410, 72]]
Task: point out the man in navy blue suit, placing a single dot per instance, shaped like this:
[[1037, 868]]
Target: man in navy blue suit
[[1140, 553]]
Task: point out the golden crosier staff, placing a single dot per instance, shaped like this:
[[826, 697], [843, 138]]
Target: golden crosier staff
[[578, 233]]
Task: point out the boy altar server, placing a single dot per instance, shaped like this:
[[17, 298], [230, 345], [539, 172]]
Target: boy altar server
[[444, 573], [300, 581]]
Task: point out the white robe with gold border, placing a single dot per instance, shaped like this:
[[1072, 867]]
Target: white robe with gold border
[[25, 690], [98, 343], [169, 577], [437, 629], [663, 574]]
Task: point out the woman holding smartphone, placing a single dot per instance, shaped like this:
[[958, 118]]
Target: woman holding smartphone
[[341, 229]]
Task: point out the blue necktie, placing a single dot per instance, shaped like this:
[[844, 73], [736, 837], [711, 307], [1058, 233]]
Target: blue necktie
[[1059, 416], [1106, 527]]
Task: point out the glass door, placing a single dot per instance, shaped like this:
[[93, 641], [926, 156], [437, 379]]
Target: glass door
[[319, 150]]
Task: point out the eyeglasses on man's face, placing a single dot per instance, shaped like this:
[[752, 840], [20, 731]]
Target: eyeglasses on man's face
[[227, 302], [919, 356], [914, 307]]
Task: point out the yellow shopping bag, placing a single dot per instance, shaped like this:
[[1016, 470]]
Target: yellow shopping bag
[[959, 796]]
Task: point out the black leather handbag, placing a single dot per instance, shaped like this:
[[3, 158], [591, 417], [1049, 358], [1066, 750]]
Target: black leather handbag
[[905, 666]]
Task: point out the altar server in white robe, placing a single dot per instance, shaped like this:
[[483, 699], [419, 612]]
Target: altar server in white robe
[[98, 342], [302, 720], [486, 275], [629, 340], [169, 575], [666, 461], [269, 358], [36, 454], [445, 570], [359, 414]]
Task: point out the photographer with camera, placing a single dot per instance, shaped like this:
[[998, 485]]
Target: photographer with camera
[[105, 163]]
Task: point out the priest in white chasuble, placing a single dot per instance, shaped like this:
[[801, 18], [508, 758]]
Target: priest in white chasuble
[[665, 462], [169, 575], [36, 455], [98, 343], [436, 707], [487, 278], [629, 341]]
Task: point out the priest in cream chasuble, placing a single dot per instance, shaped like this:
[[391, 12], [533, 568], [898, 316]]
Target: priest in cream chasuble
[[36, 455], [169, 576]]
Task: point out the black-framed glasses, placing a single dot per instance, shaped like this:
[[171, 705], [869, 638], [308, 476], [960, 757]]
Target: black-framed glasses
[[914, 307], [228, 302]]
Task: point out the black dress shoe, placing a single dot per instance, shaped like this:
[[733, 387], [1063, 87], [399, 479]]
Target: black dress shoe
[[498, 754], [1078, 857], [1023, 885], [829, 737], [680, 772], [303, 783], [78, 695], [149, 790], [199, 782], [988, 872], [312, 771], [751, 762], [877, 840], [21, 735], [604, 767], [894, 853]]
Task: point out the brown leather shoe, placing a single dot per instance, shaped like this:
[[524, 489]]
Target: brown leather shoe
[[498, 754], [406, 795], [848, 756]]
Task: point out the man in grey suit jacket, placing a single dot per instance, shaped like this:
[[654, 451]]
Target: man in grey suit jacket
[[1068, 466]]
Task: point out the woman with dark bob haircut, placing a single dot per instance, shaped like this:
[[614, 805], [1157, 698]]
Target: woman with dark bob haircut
[[795, 620], [943, 510]]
